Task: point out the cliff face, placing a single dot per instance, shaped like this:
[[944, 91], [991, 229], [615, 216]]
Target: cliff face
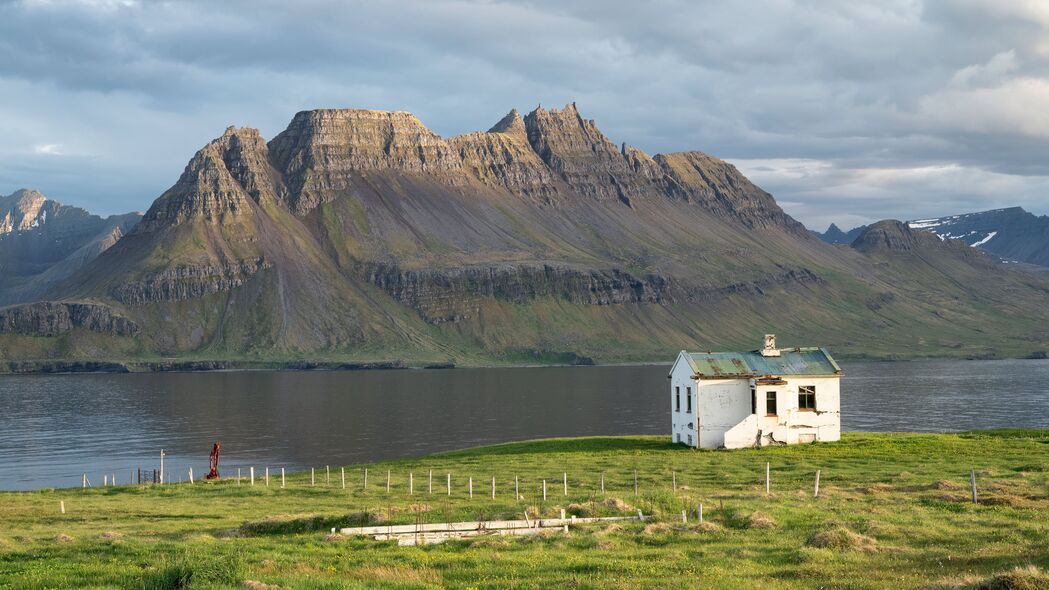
[[362, 234]]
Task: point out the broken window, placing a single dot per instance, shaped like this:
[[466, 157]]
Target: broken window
[[688, 393], [770, 403], [690, 440], [677, 399], [806, 397], [753, 401]]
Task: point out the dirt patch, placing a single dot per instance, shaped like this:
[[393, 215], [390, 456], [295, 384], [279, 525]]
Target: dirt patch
[[617, 505], [944, 484], [1021, 578], [63, 538], [705, 527], [842, 539], [656, 528], [398, 575], [257, 585], [111, 535], [760, 520]]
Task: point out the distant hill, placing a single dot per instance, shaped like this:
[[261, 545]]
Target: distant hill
[[362, 235], [834, 235], [43, 241], [1012, 234]]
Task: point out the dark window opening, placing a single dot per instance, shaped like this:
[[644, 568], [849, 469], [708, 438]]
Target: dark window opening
[[770, 403], [688, 400], [753, 401], [806, 397], [677, 399]]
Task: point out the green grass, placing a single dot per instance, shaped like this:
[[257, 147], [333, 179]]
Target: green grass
[[893, 511]]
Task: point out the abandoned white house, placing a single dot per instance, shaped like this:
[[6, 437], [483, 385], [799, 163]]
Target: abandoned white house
[[744, 399]]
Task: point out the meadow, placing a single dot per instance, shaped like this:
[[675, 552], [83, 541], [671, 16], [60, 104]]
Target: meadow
[[893, 510]]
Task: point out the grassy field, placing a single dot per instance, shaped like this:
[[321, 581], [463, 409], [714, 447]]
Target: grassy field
[[893, 511]]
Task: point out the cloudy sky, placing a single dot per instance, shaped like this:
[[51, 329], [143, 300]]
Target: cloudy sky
[[846, 111]]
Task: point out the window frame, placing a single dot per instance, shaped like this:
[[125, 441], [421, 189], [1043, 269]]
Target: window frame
[[688, 400], [773, 397], [806, 394], [677, 398]]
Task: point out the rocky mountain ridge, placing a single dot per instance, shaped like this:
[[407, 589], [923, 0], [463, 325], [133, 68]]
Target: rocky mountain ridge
[[359, 235]]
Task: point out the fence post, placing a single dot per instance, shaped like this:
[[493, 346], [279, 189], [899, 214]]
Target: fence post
[[602, 482], [449, 484], [313, 477], [267, 476], [566, 483], [766, 478], [327, 475], [816, 491], [282, 477], [251, 471], [83, 481], [972, 482], [699, 514], [365, 478], [684, 518], [162, 466], [493, 488], [673, 476], [517, 489], [387, 481], [343, 478], [544, 490], [238, 476], [429, 484], [62, 506], [411, 483], [471, 486]]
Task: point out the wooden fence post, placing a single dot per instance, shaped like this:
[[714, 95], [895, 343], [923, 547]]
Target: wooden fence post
[[83, 481], [62, 506], [471, 486], [267, 476], [238, 476], [411, 483], [972, 482], [190, 475], [327, 475], [602, 482], [251, 471], [105, 480], [429, 485], [493, 488], [343, 471], [816, 491], [366, 478], [673, 477], [635, 483], [517, 489], [699, 514], [313, 477], [449, 484], [282, 477], [387, 481], [684, 518], [566, 483], [544, 490]]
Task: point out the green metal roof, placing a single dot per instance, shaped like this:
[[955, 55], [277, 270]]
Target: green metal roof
[[791, 361]]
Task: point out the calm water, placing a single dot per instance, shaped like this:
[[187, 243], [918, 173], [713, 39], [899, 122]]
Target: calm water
[[53, 428]]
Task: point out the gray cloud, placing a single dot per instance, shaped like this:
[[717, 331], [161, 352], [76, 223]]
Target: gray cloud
[[847, 112]]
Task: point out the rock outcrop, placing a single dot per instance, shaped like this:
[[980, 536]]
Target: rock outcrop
[[187, 282], [57, 318]]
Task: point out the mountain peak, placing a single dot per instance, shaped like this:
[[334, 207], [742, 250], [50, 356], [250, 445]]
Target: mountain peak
[[512, 123], [893, 236]]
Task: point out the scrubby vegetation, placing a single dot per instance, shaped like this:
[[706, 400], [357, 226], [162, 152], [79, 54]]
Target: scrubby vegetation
[[894, 510]]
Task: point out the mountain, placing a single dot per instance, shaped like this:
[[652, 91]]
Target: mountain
[[359, 235], [834, 234], [1012, 234], [43, 241]]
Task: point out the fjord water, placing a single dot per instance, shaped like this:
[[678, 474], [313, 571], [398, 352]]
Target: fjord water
[[53, 428]]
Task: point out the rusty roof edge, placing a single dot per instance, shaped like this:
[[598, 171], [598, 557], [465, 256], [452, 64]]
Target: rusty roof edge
[[833, 363]]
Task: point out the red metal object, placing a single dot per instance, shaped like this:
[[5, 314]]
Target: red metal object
[[214, 473]]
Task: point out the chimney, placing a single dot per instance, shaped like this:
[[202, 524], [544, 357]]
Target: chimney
[[769, 349]]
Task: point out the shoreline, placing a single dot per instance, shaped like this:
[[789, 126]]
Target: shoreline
[[97, 367]]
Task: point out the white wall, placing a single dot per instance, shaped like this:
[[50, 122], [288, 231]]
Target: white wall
[[790, 425], [723, 403], [682, 423]]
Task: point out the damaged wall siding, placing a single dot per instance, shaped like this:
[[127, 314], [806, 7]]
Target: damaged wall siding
[[723, 403], [790, 423]]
